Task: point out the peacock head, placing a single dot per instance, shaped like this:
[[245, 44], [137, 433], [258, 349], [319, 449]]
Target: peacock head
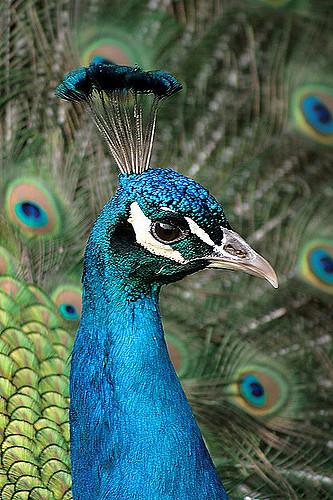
[[160, 225]]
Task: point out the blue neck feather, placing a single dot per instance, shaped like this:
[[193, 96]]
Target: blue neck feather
[[133, 435]]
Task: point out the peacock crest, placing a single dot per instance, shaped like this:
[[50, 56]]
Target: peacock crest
[[114, 95]]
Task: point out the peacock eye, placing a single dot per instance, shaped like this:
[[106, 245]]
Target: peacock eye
[[167, 232]]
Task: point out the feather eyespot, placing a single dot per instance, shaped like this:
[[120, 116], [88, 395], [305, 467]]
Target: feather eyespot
[[316, 264], [260, 390], [68, 300], [312, 109], [33, 208]]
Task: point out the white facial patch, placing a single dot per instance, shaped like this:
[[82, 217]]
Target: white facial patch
[[141, 225], [200, 233]]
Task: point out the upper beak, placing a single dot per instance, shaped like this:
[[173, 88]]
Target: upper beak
[[235, 253]]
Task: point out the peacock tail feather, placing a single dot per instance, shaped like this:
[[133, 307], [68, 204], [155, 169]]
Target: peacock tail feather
[[35, 349], [254, 123]]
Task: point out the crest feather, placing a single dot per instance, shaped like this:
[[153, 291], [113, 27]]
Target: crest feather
[[117, 98]]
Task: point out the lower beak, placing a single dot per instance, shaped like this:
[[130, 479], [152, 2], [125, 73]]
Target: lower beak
[[234, 253]]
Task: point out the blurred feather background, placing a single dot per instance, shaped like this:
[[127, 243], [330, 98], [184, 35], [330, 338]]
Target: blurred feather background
[[254, 124]]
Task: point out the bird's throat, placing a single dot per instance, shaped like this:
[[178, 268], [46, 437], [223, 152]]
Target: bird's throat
[[133, 434]]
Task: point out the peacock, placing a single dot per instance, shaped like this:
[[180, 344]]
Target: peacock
[[127, 407], [254, 124]]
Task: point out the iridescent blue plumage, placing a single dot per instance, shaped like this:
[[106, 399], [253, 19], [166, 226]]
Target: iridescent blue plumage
[[105, 76], [76, 86], [165, 187]]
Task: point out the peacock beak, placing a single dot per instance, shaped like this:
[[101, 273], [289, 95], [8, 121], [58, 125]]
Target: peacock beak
[[234, 253]]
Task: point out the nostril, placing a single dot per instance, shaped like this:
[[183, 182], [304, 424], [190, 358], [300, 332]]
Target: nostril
[[235, 251]]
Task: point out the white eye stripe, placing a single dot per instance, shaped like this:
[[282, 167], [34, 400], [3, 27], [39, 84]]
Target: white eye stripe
[[141, 225], [200, 233], [167, 209]]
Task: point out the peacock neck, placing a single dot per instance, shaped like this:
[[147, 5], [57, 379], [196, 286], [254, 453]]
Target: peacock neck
[[133, 434]]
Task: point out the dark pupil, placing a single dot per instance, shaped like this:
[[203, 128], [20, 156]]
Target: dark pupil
[[30, 210], [324, 114], [70, 309], [257, 390], [167, 232], [327, 263]]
